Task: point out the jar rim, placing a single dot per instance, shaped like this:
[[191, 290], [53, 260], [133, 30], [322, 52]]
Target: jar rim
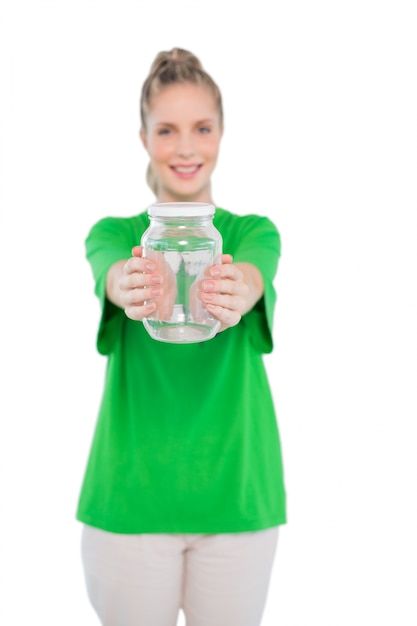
[[181, 209]]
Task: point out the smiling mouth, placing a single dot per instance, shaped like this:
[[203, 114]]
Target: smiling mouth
[[186, 171]]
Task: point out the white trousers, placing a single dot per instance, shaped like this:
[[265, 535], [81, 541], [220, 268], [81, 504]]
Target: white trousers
[[144, 580]]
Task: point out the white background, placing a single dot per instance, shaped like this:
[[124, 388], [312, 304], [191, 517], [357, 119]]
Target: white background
[[321, 133]]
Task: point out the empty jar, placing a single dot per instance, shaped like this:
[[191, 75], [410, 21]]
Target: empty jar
[[183, 243]]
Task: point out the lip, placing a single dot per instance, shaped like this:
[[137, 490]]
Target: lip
[[186, 171]]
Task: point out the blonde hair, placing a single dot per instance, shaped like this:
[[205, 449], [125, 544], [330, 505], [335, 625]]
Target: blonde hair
[[174, 67]]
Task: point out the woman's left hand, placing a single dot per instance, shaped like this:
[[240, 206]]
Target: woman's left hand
[[226, 292]]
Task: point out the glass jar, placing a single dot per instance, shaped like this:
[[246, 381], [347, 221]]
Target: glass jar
[[183, 243]]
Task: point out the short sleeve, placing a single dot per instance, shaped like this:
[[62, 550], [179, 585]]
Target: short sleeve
[[108, 241], [260, 244]]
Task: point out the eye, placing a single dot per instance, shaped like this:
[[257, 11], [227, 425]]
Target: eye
[[204, 130], [164, 131]]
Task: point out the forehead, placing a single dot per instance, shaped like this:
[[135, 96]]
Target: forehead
[[183, 101]]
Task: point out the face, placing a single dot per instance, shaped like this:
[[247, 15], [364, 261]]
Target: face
[[182, 138]]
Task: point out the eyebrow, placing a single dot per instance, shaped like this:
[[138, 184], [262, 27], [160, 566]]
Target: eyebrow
[[208, 120]]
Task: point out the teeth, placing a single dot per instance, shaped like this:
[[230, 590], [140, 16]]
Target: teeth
[[186, 170]]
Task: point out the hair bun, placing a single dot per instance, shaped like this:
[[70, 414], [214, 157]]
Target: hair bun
[[177, 56]]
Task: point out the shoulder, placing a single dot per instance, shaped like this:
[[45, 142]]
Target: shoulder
[[227, 219], [237, 229], [119, 226]]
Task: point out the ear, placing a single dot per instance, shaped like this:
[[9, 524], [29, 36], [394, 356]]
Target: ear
[[142, 137]]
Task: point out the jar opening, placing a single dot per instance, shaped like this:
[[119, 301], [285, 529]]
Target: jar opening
[[181, 209]]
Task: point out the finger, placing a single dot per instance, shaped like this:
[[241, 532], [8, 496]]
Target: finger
[[137, 280], [226, 316], [139, 264], [226, 286], [139, 292], [227, 270], [137, 297], [226, 259], [233, 303], [138, 313]]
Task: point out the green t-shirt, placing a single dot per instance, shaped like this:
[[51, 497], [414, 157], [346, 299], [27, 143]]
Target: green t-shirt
[[186, 439]]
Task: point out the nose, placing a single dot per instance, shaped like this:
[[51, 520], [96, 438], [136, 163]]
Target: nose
[[185, 146]]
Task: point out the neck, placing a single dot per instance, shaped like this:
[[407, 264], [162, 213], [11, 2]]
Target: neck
[[204, 195]]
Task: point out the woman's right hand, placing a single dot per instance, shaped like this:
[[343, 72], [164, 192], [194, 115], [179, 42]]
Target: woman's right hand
[[147, 287]]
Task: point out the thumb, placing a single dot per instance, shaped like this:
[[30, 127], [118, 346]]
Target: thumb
[[137, 251]]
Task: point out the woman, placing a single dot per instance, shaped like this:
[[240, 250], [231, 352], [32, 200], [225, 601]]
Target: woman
[[183, 492]]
